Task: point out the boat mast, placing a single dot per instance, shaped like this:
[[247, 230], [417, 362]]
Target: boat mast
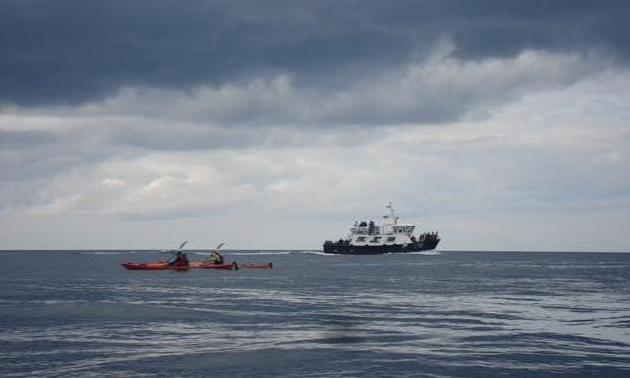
[[391, 215]]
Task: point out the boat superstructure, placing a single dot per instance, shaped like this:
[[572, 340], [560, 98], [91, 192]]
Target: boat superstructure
[[390, 237]]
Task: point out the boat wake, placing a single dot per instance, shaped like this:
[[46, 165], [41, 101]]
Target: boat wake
[[103, 253], [315, 253], [258, 253]]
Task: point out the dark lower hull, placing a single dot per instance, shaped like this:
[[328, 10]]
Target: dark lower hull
[[344, 248]]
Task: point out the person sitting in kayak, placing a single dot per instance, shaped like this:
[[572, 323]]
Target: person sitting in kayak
[[215, 258], [180, 259]]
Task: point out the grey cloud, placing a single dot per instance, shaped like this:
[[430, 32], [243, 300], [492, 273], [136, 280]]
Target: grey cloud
[[16, 139], [166, 137], [31, 153], [76, 51], [30, 159], [442, 88]]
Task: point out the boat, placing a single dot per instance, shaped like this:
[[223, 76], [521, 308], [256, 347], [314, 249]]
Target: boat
[[206, 265], [368, 238], [185, 265], [160, 265]]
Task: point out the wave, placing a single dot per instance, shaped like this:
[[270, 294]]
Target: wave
[[260, 253], [426, 253], [246, 253], [103, 253], [320, 253]]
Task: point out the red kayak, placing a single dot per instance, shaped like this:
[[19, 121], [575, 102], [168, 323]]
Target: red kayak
[[257, 266], [207, 265], [161, 265]]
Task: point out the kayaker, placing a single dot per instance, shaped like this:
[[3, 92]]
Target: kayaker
[[180, 259], [215, 258]]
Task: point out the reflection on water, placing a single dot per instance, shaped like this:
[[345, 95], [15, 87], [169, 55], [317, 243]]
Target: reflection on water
[[453, 314]]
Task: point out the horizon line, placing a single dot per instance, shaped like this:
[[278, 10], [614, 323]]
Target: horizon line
[[311, 249]]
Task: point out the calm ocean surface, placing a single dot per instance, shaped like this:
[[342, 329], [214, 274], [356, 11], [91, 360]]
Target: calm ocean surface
[[453, 314]]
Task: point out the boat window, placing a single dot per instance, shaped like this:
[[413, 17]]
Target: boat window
[[391, 238], [375, 239], [361, 238]]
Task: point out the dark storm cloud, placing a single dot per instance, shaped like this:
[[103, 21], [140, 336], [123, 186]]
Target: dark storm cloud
[[74, 51]]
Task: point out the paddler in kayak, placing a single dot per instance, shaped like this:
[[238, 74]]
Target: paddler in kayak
[[180, 259], [215, 257]]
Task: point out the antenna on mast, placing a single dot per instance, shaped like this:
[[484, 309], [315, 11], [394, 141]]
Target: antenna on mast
[[391, 215]]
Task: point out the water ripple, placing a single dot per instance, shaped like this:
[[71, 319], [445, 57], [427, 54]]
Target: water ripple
[[455, 316]]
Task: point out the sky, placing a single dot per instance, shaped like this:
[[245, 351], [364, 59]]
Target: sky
[[504, 125]]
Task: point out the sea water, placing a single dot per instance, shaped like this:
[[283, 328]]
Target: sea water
[[448, 314]]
